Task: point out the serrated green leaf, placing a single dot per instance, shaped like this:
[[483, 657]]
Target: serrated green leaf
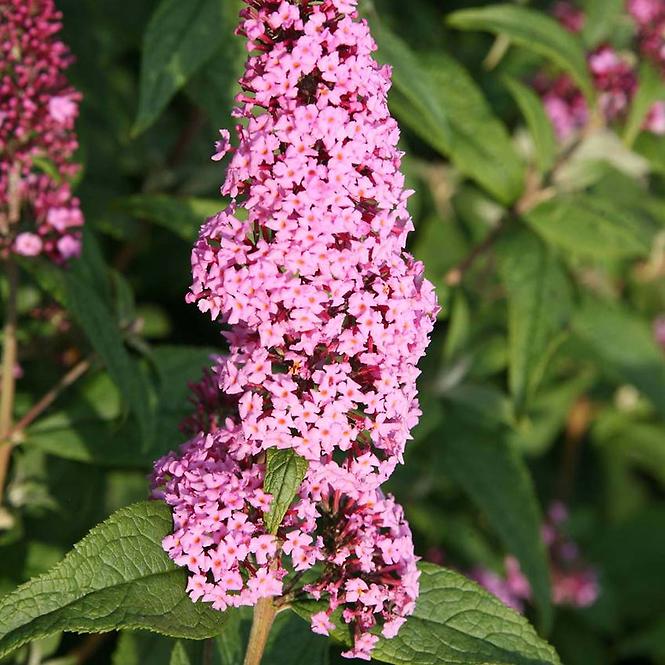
[[488, 468], [538, 122], [182, 216], [591, 226], [539, 301], [651, 88], [623, 343], [457, 622], [285, 471], [180, 37], [533, 30], [118, 576]]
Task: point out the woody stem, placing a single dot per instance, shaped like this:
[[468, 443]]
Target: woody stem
[[264, 615]]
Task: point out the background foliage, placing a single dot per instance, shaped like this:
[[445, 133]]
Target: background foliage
[[544, 379]]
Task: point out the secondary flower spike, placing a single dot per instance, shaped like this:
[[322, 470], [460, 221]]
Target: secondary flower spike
[[326, 316], [38, 107]]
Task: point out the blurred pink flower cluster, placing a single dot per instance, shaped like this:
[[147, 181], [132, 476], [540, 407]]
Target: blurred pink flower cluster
[[326, 317], [37, 112], [613, 74], [574, 583]]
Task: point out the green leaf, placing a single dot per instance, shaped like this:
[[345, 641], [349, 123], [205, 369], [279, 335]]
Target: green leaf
[[538, 122], [412, 81], [533, 30], [641, 443], [624, 345], [538, 305], [477, 143], [601, 19], [215, 84], [92, 430], [591, 226], [651, 88], [139, 648], [117, 577], [182, 216], [101, 329], [285, 471], [497, 480], [180, 37], [456, 621]]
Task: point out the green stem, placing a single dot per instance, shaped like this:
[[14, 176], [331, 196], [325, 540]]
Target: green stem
[[264, 615], [7, 386]]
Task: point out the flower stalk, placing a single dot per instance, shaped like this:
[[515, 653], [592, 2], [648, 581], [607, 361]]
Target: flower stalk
[[264, 616]]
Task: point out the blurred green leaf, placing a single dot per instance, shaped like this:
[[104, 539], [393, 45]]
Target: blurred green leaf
[[624, 345], [532, 30], [641, 443], [651, 88], [92, 430], [456, 621], [413, 82], [180, 37], [182, 216], [539, 301], [142, 648], [495, 477], [600, 20], [591, 226], [105, 337], [118, 576], [285, 471], [538, 122], [478, 143]]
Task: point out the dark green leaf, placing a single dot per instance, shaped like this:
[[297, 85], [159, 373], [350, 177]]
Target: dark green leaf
[[142, 648], [118, 576], [538, 305], [496, 478], [625, 347], [182, 216], [103, 333], [180, 37], [532, 30], [456, 621], [413, 82], [538, 122], [285, 471]]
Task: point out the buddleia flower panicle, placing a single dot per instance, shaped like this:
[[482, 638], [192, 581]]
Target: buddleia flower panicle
[[326, 316], [38, 109]]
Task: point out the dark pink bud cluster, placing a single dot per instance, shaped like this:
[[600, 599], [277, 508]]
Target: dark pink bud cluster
[[574, 583], [613, 75], [326, 316], [37, 112], [649, 16]]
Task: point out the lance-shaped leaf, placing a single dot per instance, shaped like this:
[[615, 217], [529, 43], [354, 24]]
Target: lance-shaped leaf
[[539, 124], [482, 461], [118, 576], [285, 471], [538, 305], [533, 30], [180, 37]]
